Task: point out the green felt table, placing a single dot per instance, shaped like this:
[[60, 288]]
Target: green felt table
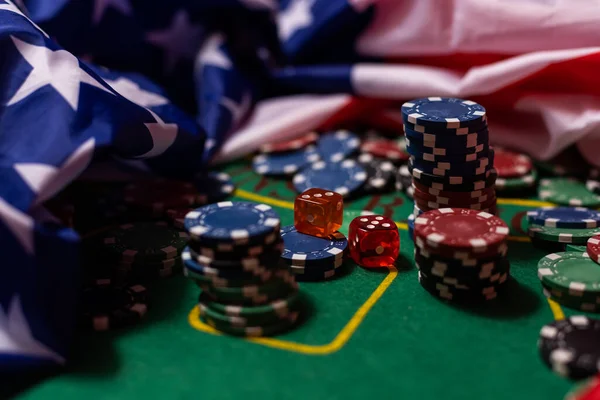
[[369, 333]]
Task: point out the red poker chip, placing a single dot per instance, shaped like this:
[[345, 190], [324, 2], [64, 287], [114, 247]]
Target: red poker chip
[[593, 248], [290, 145], [510, 164], [157, 196], [457, 230], [384, 148], [454, 201]]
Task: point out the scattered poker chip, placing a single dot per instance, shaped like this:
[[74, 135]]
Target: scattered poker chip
[[104, 306], [213, 187], [571, 347], [154, 197], [286, 164], [519, 183], [388, 149], [461, 229], [232, 222], [410, 192], [143, 242], [281, 283], [443, 112], [593, 248], [572, 272], [593, 186], [262, 260], [380, 176], [302, 250], [290, 145], [510, 164], [264, 319], [547, 246], [149, 271], [567, 191], [566, 163], [231, 253], [562, 235], [337, 146], [280, 307], [564, 217], [345, 178], [404, 178]]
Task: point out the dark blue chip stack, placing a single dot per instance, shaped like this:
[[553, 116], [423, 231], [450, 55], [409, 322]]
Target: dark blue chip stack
[[234, 257], [451, 163], [313, 258]]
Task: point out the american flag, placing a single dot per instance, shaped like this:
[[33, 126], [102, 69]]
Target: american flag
[[169, 88]]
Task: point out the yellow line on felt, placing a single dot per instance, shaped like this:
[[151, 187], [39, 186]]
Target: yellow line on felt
[[556, 310], [336, 344], [525, 203]]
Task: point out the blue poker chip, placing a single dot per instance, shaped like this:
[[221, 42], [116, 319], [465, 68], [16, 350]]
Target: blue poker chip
[[416, 148], [565, 217], [452, 143], [446, 168], [444, 112], [232, 222], [288, 163], [489, 153], [411, 226], [337, 146], [302, 250], [445, 130], [214, 187], [344, 178], [449, 141]]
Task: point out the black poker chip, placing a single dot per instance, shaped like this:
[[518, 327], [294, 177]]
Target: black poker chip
[[571, 347], [380, 174]]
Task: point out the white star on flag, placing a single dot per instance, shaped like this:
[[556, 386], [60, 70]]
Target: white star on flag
[[100, 7], [296, 16], [163, 135], [132, 92], [12, 8], [211, 54], [180, 40], [59, 69]]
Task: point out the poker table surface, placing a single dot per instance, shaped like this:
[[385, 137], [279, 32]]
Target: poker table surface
[[366, 333]]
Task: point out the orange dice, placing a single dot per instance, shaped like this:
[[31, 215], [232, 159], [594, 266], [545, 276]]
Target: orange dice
[[318, 212]]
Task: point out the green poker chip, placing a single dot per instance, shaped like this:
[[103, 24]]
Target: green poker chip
[[573, 247], [568, 192], [570, 272], [278, 307], [522, 182], [253, 320], [562, 235], [276, 287], [581, 303], [252, 331], [143, 242]]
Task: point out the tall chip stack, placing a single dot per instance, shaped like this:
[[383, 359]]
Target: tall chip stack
[[233, 256], [461, 254], [451, 162]]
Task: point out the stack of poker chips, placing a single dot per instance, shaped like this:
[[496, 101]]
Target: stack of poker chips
[[570, 347], [572, 277], [461, 254], [552, 229], [451, 162], [313, 258], [233, 256], [516, 174]]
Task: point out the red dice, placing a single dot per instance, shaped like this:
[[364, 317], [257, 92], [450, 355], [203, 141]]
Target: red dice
[[374, 241], [318, 212]]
